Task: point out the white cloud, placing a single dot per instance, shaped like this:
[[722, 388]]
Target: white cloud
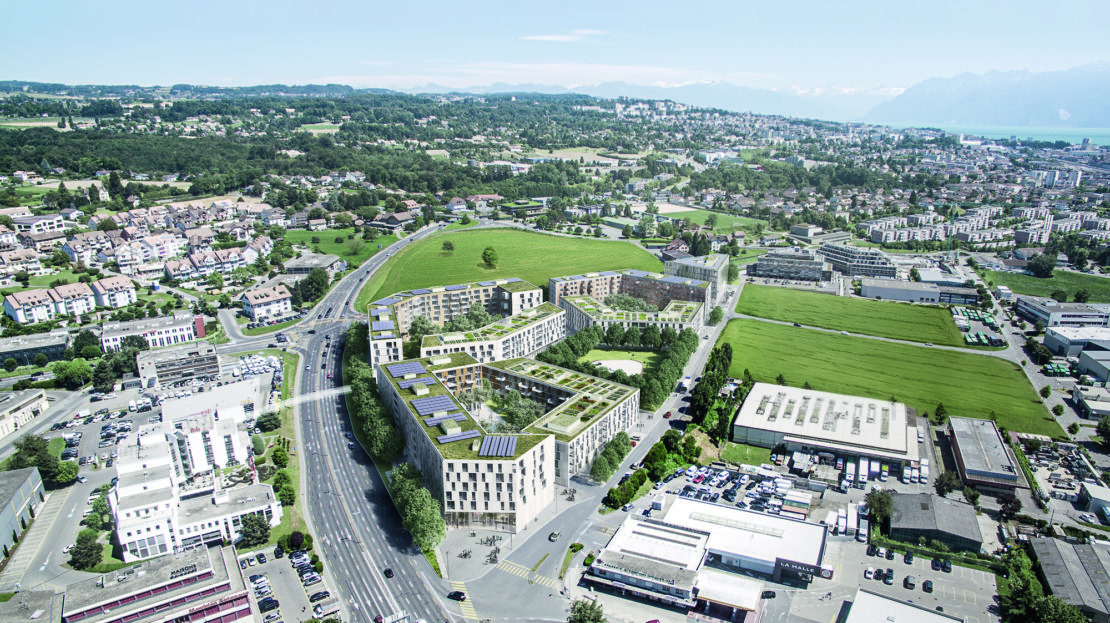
[[575, 35]]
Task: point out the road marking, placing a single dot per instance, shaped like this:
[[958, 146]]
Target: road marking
[[466, 607]]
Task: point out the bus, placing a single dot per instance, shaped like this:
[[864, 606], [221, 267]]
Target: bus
[[864, 468]]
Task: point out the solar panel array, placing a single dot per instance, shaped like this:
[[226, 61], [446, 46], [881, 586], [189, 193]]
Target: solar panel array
[[384, 336], [637, 273], [407, 383], [387, 301], [609, 273], [470, 434], [498, 446], [437, 420], [428, 406], [513, 280], [421, 291], [454, 288], [408, 367], [381, 311], [382, 325], [486, 283]]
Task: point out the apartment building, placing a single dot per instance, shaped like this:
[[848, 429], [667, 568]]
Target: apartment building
[[802, 265], [521, 335], [39, 224], [583, 312], [712, 268], [158, 332], [29, 306], [654, 288], [267, 303], [74, 299], [1053, 313], [114, 292], [858, 261]]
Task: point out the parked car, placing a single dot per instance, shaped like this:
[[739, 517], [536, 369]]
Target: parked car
[[457, 595]]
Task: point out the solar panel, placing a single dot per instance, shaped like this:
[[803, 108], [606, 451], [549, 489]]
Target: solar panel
[[381, 311], [382, 325], [511, 450], [484, 450], [408, 367], [502, 444], [636, 273], [487, 283], [513, 280], [428, 406], [387, 301], [609, 273], [470, 434], [384, 336], [439, 419], [421, 291], [407, 383], [454, 288]]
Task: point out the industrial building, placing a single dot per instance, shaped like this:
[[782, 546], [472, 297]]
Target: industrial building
[[391, 317], [664, 558], [1093, 402], [1066, 341], [937, 519], [813, 421], [800, 265], [23, 348], [502, 479], [43, 606], [19, 408], [982, 458], [895, 290], [1053, 313], [158, 332], [199, 586], [858, 261], [712, 268], [869, 607], [21, 493], [521, 335], [1077, 574], [169, 366], [1095, 498], [1095, 361]]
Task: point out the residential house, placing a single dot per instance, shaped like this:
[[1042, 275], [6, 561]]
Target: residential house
[[74, 299], [114, 292], [40, 224], [45, 241], [317, 224], [456, 204], [29, 306], [267, 303], [16, 260], [259, 247], [199, 239], [8, 238]]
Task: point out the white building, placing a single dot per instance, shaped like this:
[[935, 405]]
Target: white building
[[267, 303], [29, 306], [521, 335], [158, 332], [114, 292], [39, 224], [1054, 314], [20, 408], [74, 299]]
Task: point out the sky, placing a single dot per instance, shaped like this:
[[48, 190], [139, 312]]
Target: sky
[[798, 45]]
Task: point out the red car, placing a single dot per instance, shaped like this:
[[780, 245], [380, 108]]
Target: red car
[[667, 415], [633, 444]]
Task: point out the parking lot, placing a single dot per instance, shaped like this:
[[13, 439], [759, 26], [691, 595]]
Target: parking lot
[[284, 586]]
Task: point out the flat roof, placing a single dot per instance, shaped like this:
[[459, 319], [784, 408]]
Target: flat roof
[[898, 284], [34, 340], [827, 419], [1077, 574], [132, 327], [311, 260], [33, 607], [632, 272], [729, 589], [10, 482], [674, 311], [1049, 305], [981, 447], [676, 546], [747, 533], [225, 401], [496, 330], [925, 511], [1079, 334], [715, 261], [868, 607], [187, 350]]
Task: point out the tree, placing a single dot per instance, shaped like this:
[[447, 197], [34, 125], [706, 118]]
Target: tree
[[286, 495], [1103, 430], [41, 360], [84, 338], [448, 246], [586, 611], [10, 364], [1050, 609], [733, 272], [880, 504], [421, 327], [91, 352], [489, 257], [947, 482], [255, 530], [1073, 428], [1046, 391], [940, 414], [72, 374], [1058, 410], [716, 316], [268, 422], [1008, 505], [1082, 296], [601, 470], [972, 496], [258, 445], [1042, 265], [67, 472], [280, 457], [86, 552], [103, 379], [614, 335], [1060, 295], [780, 379]]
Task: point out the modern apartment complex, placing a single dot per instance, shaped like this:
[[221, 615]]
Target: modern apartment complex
[[802, 265], [712, 268], [481, 477], [654, 288], [585, 311], [391, 317], [858, 261], [1053, 313], [516, 336]]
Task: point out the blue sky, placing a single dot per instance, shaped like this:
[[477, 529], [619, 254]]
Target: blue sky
[[798, 45]]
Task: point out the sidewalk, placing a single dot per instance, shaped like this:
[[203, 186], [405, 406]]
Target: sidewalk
[[32, 540]]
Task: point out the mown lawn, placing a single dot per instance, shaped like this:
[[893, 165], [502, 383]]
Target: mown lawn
[[902, 321], [354, 251], [968, 385], [650, 359], [740, 453], [725, 222], [531, 256], [1068, 281]]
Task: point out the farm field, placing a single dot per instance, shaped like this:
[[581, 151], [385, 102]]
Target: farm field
[[1066, 280], [968, 385], [902, 321], [355, 251], [531, 256]]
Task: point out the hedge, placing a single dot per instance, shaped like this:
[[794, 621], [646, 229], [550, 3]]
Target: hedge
[[984, 563]]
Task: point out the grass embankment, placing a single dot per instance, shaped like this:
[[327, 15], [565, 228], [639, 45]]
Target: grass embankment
[[354, 251], [969, 385], [530, 256], [748, 255], [271, 328], [901, 321], [1068, 281]]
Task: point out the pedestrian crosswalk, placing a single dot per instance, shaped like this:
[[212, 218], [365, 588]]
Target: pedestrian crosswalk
[[465, 607], [527, 574]]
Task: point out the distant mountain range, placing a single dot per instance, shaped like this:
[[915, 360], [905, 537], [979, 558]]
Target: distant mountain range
[[1074, 98]]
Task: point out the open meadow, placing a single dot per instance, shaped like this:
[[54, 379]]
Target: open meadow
[[531, 256], [901, 321], [968, 385], [354, 251], [1066, 280]]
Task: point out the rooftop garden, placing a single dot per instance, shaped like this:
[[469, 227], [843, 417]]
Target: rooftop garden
[[496, 330], [675, 311]]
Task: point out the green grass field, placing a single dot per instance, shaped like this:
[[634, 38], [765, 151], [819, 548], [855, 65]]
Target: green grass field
[[968, 385], [454, 226], [725, 222], [1068, 281], [650, 359], [902, 321], [531, 256], [740, 453], [354, 252], [749, 257]]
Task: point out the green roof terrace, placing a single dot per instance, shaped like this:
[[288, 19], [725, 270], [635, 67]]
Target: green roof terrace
[[674, 311], [495, 330]]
